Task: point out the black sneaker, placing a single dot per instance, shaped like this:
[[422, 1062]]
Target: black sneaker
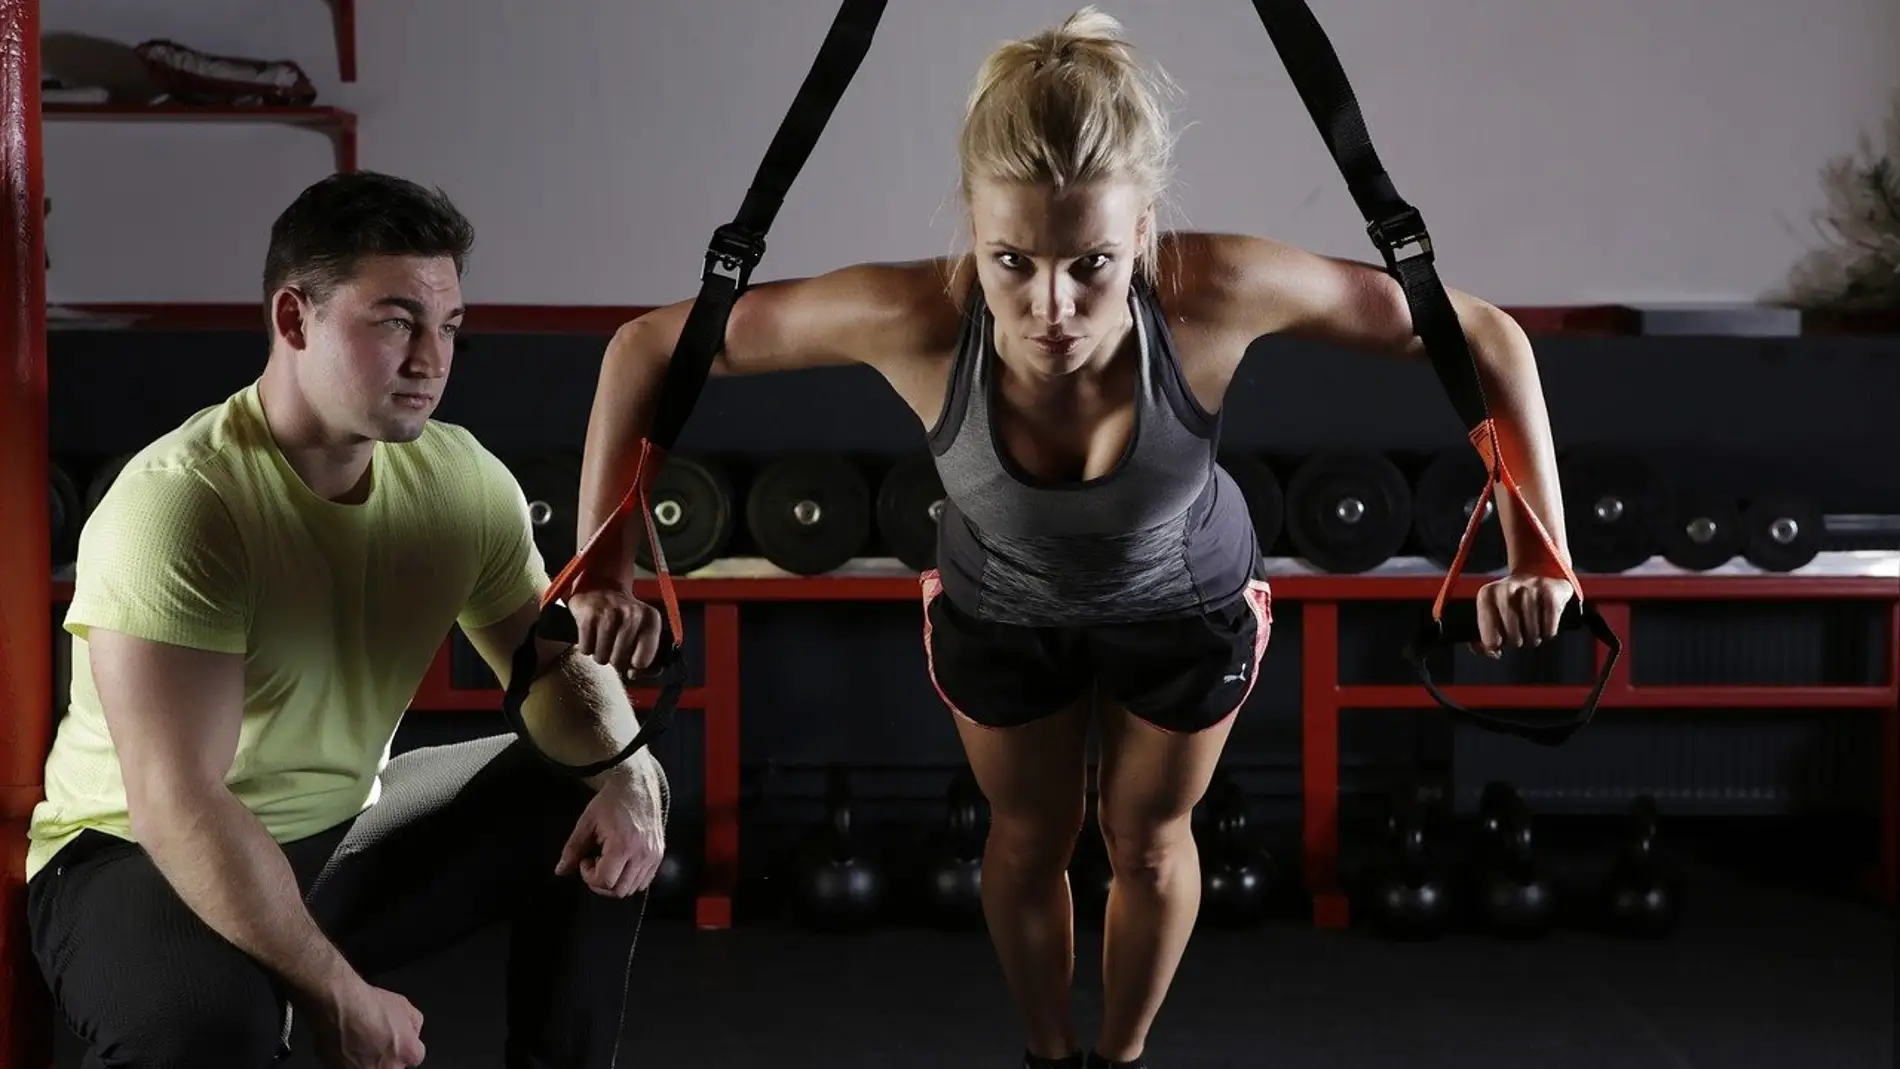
[[1073, 1061], [1096, 1061]]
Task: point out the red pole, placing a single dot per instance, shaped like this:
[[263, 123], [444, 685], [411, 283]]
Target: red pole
[[26, 590], [26, 573]]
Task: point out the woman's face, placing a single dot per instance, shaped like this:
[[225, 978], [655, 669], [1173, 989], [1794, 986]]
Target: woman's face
[[1055, 266]]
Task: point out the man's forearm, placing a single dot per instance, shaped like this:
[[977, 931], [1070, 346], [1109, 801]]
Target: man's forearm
[[229, 871], [580, 713]]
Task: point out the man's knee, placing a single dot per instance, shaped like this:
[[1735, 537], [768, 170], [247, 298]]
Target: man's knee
[[192, 1021]]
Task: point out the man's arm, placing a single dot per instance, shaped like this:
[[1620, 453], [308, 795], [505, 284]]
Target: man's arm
[[162, 603], [174, 713], [578, 711]]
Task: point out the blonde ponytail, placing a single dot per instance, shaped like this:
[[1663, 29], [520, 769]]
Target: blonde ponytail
[[1071, 105]]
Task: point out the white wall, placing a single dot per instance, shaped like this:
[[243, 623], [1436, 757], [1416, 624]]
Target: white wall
[[1564, 153]]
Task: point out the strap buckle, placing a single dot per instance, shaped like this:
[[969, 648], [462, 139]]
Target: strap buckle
[[732, 254], [1402, 238]]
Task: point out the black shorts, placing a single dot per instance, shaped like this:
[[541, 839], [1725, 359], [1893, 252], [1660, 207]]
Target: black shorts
[[1184, 674]]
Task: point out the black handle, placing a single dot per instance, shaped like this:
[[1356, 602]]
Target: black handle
[[558, 625], [1458, 623]]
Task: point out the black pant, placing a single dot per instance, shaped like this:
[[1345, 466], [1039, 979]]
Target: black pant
[[462, 836]]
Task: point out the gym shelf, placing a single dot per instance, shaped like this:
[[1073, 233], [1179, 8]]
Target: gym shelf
[[338, 124], [723, 587]]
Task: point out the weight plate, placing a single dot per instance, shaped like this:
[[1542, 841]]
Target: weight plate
[[552, 484], [1266, 502], [1701, 529], [691, 498], [1446, 492], [1783, 532], [1348, 512], [1611, 504], [63, 506], [809, 514], [102, 480], [909, 500]]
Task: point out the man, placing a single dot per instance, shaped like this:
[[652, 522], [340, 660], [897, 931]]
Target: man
[[224, 838]]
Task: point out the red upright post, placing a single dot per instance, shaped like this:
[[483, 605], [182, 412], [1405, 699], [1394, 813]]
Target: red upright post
[[26, 587], [26, 595]]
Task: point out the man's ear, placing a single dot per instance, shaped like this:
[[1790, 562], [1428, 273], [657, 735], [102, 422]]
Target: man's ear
[[290, 315]]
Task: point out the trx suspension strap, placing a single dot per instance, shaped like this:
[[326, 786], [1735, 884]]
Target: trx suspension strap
[[735, 250], [1398, 231]]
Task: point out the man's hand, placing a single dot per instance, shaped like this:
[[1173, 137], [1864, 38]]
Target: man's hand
[[1520, 610], [366, 1027], [620, 839]]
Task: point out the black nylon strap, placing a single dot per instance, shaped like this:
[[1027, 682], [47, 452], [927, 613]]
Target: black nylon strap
[[735, 250], [1398, 230], [738, 246]]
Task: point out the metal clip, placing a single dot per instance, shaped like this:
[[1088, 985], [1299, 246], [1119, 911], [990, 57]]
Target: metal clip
[[732, 255], [1401, 238]]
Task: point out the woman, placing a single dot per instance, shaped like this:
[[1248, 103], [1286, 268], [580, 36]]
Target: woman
[[1094, 559]]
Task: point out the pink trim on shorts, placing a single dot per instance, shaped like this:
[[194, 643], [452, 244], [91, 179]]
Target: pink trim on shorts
[[1260, 600], [931, 581]]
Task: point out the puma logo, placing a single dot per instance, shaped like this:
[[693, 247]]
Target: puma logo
[[1239, 675]]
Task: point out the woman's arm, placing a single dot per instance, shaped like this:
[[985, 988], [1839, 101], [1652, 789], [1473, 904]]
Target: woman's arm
[[1244, 288], [872, 314]]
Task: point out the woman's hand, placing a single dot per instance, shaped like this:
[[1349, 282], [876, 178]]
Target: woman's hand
[[616, 628], [1518, 611]]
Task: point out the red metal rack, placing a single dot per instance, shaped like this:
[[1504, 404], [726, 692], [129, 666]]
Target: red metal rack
[[726, 586]]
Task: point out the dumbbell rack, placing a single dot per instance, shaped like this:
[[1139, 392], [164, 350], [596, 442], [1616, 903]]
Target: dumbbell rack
[[724, 587]]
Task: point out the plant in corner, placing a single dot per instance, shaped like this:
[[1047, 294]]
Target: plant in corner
[[1859, 267]]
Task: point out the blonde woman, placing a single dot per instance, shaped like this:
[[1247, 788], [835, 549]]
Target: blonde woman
[[1096, 565]]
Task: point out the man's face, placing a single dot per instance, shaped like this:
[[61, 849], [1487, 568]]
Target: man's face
[[379, 348]]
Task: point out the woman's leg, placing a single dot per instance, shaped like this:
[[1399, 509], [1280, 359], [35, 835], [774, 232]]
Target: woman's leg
[[1179, 685], [1150, 782], [1021, 700], [1035, 777]]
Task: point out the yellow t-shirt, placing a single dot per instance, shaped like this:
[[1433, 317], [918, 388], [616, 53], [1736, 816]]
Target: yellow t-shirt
[[209, 539]]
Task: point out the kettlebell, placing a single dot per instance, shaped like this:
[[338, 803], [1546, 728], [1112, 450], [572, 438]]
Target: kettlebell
[[1640, 899], [1514, 896], [836, 888], [1405, 893], [953, 887], [1236, 873], [674, 884]]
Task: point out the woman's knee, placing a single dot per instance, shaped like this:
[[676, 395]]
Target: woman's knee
[[1039, 839], [1145, 847]]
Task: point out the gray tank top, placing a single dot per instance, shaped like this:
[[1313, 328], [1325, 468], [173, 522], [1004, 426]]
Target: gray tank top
[[1165, 533]]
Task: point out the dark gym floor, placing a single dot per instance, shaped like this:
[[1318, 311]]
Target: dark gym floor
[[1758, 975]]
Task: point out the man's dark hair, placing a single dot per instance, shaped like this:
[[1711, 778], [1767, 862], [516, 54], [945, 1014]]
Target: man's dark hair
[[317, 243]]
